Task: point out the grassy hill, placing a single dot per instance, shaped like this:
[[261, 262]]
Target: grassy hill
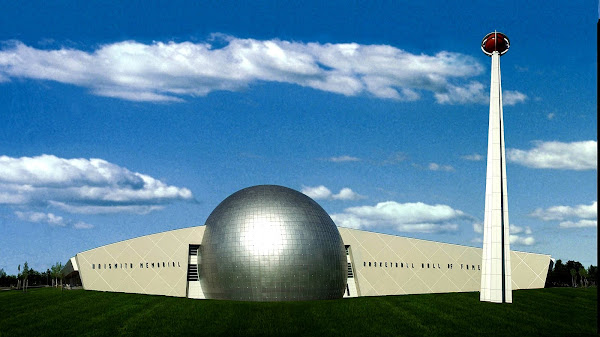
[[50, 312]]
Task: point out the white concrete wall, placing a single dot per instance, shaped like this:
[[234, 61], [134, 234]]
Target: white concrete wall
[[152, 264], [528, 270]]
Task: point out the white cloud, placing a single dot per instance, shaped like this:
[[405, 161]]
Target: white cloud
[[510, 97], [473, 157], [564, 212], [39, 217], [51, 219], [557, 155], [88, 185], [578, 224], [438, 167], [318, 192], [514, 229], [515, 235], [522, 241], [322, 192], [347, 194], [82, 225], [551, 116], [344, 158], [162, 72], [407, 217], [570, 216]]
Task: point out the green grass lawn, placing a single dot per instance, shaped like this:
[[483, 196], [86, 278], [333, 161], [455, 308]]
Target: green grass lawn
[[50, 312]]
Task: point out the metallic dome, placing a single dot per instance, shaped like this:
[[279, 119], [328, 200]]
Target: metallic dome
[[271, 243], [495, 42]]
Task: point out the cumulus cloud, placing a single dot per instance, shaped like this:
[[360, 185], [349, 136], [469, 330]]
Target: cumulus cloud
[[522, 241], [51, 219], [82, 225], [473, 157], [342, 159], [407, 217], [164, 72], [570, 216], [82, 185], [510, 97], [557, 155], [438, 167], [322, 192], [578, 224], [37, 217], [518, 235], [521, 235], [565, 212]]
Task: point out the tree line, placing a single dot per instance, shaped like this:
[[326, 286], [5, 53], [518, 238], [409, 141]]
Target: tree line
[[571, 274], [28, 277]]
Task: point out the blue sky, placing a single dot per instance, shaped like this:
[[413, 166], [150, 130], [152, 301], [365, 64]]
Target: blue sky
[[117, 122]]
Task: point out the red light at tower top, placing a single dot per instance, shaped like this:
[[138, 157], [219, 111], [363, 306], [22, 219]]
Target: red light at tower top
[[495, 41]]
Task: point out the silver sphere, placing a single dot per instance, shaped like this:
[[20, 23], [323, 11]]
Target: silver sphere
[[271, 243]]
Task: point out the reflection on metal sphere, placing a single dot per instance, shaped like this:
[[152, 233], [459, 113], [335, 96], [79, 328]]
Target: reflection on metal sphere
[[495, 41], [271, 243]]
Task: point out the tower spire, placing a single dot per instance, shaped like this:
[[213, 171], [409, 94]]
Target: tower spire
[[496, 283]]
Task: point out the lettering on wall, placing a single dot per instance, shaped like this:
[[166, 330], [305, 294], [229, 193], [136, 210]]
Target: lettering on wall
[[143, 265], [424, 265]]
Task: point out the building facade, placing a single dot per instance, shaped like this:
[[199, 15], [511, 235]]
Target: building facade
[[378, 265]]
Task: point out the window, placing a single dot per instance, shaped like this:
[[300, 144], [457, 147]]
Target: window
[[428, 265], [461, 266], [163, 264], [402, 265], [365, 264], [380, 264], [386, 264], [396, 264], [369, 264], [449, 265], [152, 264], [109, 267], [99, 266], [467, 267], [93, 266], [478, 268], [141, 265], [146, 264], [158, 264], [422, 265], [472, 267], [131, 265], [105, 266]]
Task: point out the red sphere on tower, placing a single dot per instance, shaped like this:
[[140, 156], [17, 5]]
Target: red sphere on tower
[[495, 42]]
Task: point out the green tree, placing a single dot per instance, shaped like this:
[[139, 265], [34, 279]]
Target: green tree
[[592, 274], [55, 271], [583, 274], [573, 277], [24, 275]]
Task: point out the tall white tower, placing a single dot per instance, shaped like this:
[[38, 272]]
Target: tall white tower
[[496, 283]]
